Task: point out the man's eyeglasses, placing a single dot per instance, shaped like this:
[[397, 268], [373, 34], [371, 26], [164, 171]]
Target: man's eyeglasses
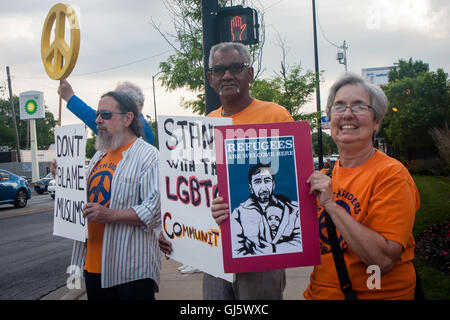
[[106, 114], [235, 68], [356, 109]]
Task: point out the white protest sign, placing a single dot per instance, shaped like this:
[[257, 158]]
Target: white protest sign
[[70, 192], [188, 184]]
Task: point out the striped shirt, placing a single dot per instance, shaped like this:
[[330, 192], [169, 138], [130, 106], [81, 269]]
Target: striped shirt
[[129, 252]]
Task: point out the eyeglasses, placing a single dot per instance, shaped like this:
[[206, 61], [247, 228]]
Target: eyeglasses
[[235, 68], [106, 114], [356, 109]]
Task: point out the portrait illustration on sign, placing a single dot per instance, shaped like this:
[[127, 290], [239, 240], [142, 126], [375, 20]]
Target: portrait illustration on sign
[[267, 220], [262, 171]]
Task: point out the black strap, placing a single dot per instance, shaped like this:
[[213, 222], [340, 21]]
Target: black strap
[[341, 268]]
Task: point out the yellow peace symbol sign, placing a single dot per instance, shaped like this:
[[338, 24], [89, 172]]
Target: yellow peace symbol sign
[[58, 57]]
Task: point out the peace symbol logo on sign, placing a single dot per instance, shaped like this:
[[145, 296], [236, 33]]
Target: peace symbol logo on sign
[[58, 57], [97, 187]]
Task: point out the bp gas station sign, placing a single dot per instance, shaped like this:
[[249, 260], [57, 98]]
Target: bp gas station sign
[[31, 105]]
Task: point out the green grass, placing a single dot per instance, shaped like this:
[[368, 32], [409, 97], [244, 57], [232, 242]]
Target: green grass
[[434, 207]]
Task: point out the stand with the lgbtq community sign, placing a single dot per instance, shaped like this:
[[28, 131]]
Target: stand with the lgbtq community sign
[[70, 192], [188, 182]]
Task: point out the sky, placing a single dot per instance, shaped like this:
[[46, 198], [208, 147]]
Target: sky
[[118, 43]]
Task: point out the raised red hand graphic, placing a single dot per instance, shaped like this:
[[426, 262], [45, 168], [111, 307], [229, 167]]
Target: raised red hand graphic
[[237, 28]]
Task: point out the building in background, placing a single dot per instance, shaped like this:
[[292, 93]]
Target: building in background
[[378, 76]]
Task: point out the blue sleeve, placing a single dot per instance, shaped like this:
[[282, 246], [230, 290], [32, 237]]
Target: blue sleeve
[[146, 130], [83, 111]]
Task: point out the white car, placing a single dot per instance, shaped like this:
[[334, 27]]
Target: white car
[[51, 188]]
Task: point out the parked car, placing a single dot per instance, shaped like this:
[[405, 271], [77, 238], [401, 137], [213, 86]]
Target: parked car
[[13, 189], [41, 185], [332, 159], [51, 188], [326, 163]]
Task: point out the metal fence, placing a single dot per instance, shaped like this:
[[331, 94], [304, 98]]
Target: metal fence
[[24, 168]]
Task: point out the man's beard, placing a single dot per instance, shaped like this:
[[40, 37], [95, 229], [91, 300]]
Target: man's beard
[[264, 196], [238, 87], [105, 141]]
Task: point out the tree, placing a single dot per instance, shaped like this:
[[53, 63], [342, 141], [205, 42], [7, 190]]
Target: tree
[[184, 69], [328, 145], [44, 127], [441, 138], [408, 69], [422, 99], [90, 146], [291, 89]]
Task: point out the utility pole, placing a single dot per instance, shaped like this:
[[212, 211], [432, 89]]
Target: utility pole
[[155, 142], [210, 38], [342, 56], [316, 58], [13, 113]]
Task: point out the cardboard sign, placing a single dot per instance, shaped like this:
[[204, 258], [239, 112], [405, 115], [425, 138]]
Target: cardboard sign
[[188, 185], [70, 191], [262, 171]]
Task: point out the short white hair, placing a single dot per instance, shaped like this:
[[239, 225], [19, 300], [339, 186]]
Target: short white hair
[[133, 91], [228, 46]]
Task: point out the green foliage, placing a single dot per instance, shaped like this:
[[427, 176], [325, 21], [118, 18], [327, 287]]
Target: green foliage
[[184, 69], [6, 131], [408, 69], [434, 202], [422, 98], [434, 208], [90, 146], [44, 127], [291, 89], [328, 145]]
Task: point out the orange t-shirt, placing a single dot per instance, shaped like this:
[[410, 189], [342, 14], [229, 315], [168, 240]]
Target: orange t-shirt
[[381, 195], [258, 111], [99, 191]]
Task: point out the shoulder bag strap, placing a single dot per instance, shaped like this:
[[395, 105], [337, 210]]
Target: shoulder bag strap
[[339, 262]]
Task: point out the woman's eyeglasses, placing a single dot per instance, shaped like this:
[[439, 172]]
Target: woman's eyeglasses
[[106, 114], [234, 68], [356, 109]]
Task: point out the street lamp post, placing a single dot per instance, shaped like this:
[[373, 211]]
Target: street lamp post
[[316, 60], [154, 105]]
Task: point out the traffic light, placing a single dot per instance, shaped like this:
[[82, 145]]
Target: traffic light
[[238, 24]]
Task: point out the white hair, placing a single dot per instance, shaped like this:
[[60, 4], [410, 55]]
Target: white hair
[[133, 91]]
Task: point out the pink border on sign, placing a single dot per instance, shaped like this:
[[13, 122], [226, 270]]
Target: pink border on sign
[[307, 203]]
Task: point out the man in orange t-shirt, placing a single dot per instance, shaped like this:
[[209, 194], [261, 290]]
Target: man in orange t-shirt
[[120, 258], [257, 111], [99, 191], [230, 76]]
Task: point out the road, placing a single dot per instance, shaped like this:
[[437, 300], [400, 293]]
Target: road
[[33, 262]]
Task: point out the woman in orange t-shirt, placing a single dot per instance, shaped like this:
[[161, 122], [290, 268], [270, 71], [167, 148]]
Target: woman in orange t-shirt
[[371, 199]]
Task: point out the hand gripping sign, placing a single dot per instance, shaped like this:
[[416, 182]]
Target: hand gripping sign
[[59, 58]]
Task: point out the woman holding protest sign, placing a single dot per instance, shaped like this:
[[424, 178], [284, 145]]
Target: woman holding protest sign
[[371, 199]]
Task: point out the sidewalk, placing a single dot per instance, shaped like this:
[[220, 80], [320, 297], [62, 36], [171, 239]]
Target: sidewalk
[[177, 286]]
